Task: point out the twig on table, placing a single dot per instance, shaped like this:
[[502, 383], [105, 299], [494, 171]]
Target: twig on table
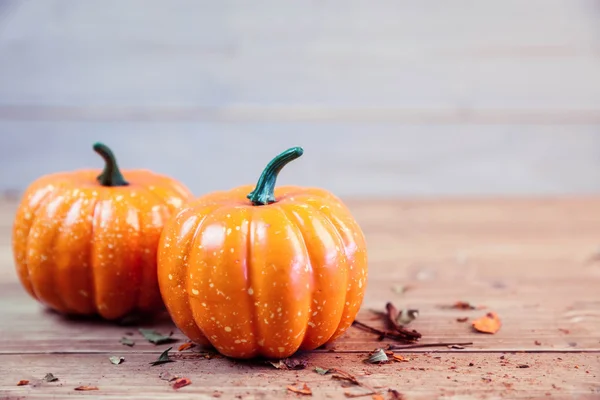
[[419, 345], [392, 318]]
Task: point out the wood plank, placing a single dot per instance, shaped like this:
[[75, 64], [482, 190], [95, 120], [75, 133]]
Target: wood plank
[[424, 376], [429, 55]]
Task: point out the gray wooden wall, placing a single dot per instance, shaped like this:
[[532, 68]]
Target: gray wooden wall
[[387, 97]]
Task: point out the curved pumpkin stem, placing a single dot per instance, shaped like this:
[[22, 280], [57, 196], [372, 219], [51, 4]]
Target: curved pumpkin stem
[[111, 176], [264, 193]]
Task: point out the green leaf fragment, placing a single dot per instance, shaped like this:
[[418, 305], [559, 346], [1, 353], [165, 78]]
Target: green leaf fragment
[[322, 371], [116, 360], [157, 338], [163, 358], [378, 356]]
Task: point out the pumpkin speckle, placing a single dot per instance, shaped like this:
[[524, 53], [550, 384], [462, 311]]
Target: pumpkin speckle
[[227, 329]]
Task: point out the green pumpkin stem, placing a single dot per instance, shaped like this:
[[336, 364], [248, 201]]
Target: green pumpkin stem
[[111, 176], [264, 193]]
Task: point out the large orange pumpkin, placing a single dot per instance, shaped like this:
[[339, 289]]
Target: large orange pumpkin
[[86, 244], [263, 272]]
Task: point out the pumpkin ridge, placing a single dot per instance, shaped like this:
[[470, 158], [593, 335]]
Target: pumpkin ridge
[[339, 237], [92, 279], [55, 230], [191, 244], [142, 266], [309, 257]]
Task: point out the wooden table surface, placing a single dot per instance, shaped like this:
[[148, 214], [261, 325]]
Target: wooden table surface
[[535, 262]]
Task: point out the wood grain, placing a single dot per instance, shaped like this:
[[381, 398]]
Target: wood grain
[[534, 262]]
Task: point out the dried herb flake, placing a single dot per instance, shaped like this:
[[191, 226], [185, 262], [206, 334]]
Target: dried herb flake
[[163, 358], [50, 377], [154, 337], [116, 360]]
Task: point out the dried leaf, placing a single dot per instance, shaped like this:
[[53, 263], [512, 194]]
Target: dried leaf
[[86, 388], [50, 377], [406, 316], [163, 358], [490, 323], [462, 319], [322, 371], [378, 357], [154, 337], [289, 363], [305, 390], [116, 360], [181, 382], [399, 358], [522, 366], [127, 341], [23, 382], [185, 346]]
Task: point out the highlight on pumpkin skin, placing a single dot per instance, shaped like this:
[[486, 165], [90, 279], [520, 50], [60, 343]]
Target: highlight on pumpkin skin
[[263, 281], [86, 244]]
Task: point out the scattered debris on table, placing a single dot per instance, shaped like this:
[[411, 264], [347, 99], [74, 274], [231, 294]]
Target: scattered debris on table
[[23, 382]]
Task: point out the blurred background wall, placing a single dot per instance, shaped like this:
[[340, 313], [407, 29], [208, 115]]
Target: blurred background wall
[[388, 98]]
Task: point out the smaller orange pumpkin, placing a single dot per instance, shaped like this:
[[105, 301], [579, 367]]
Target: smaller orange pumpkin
[[263, 272], [86, 244]]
